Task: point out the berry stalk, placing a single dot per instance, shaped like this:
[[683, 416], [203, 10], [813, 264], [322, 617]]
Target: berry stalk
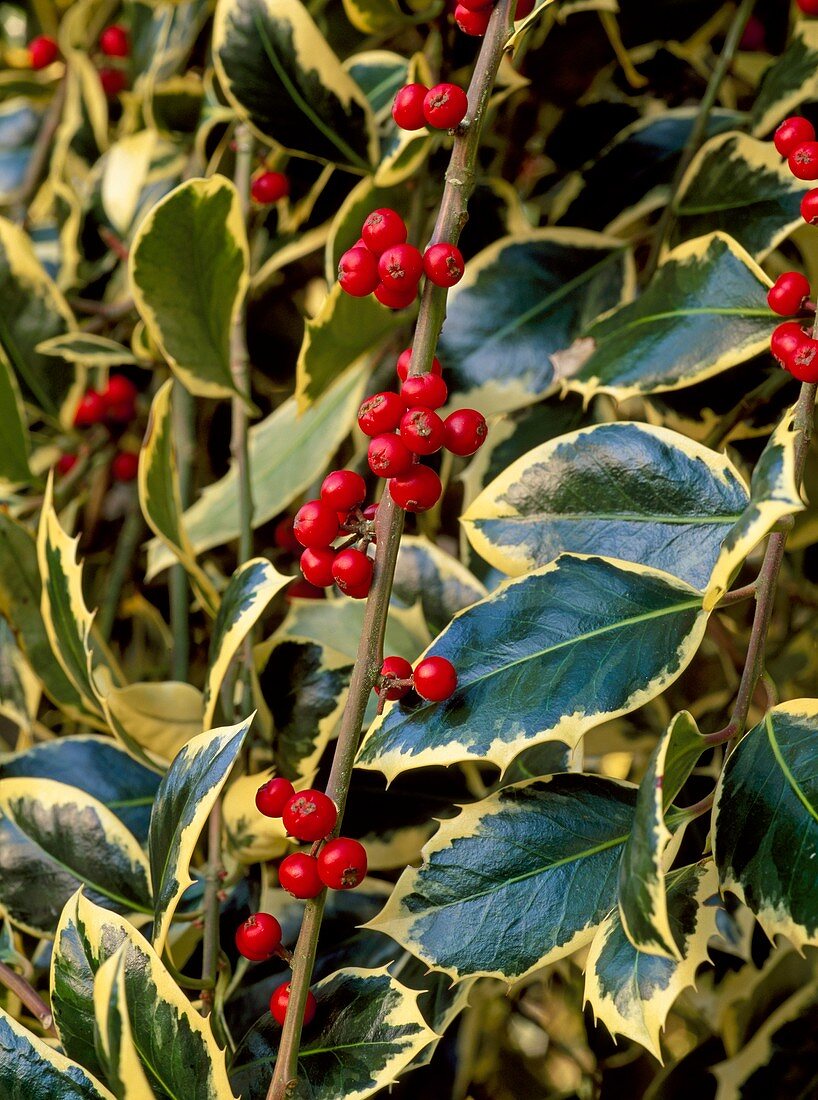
[[452, 216]]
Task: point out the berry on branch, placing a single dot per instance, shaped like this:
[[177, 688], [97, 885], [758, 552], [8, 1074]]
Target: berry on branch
[[259, 937], [407, 110], [394, 668], [401, 265], [309, 815], [114, 41], [342, 863], [405, 359], [803, 161], [383, 229], [352, 571], [343, 490], [316, 565], [791, 133], [418, 490], [358, 272], [445, 106], [42, 51], [381, 412], [272, 796], [428, 390], [422, 431], [388, 456], [444, 264], [124, 466], [281, 998], [298, 875], [465, 432], [435, 679], [315, 524], [474, 23], [788, 293], [269, 187]]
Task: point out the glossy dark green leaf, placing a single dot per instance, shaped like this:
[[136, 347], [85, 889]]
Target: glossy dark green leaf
[[522, 300], [539, 761], [379, 73], [426, 574], [643, 494], [518, 880], [766, 822], [162, 38], [336, 623], [279, 72], [32, 1070], [367, 1030], [545, 658], [114, 1039], [789, 81], [705, 310], [14, 453]]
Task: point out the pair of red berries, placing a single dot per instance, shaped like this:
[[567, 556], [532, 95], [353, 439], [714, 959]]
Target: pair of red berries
[[443, 107], [269, 187], [434, 679], [124, 465], [472, 16], [318, 523], [795, 140], [306, 815], [795, 350], [115, 404], [258, 939], [382, 263]]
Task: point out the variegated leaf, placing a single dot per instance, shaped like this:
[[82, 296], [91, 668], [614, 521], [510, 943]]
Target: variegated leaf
[[114, 1037], [32, 1070]]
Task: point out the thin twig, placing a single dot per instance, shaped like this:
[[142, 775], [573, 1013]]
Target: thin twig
[[737, 595], [183, 415], [41, 152], [29, 996], [212, 885]]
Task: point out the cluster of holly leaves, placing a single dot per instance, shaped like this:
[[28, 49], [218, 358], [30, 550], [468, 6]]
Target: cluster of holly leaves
[[542, 915]]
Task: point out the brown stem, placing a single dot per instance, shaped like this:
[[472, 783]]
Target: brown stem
[[29, 996], [737, 595], [210, 936], [452, 215]]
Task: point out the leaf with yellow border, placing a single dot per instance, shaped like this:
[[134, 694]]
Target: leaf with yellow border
[[792, 79], [87, 349], [160, 716], [14, 454], [28, 1062], [114, 1037]]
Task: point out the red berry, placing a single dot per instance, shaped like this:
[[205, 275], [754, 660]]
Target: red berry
[[303, 590], [284, 538], [381, 413], [788, 293], [398, 669], [91, 409], [309, 815], [475, 23], [42, 51], [809, 207], [754, 37], [343, 490], [66, 463], [124, 466], [477, 5], [358, 272], [315, 524], [388, 456], [465, 432], [803, 161], [298, 875], [316, 565], [405, 358], [401, 266], [791, 133], [396, 297], [445, 106], [272, 796], [428, 390], [370, 511], [435, 679], [383, 229], [342, 863], [422, 431], [269, 187], [803, 364], [808, 7], [444, 264], [114, 41], [259, 937], [113, 82], [407, 110], [352, 570], [417, 490], [119, 391], [524, 8], [281, 998], [785, 341]]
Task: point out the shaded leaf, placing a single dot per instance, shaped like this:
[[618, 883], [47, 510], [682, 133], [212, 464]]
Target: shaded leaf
[[114, 1038], [88, 349], [790, 80], [32, 1070], [14, 453], [160, 716], [427, 574]]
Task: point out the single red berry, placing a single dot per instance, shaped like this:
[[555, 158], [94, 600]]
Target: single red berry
[[803, 364], [791, 133], [370, 511], [309, 815], [785, 341], [272, 796], [477, 5], [809, 207], [298, 875], [303, 590], [343, 490], [396, 296], [358, 272], [124, 466], [435, 679], [417, 490], [754, 37], [428, 390], [383, 229], [259, 937], [113, 82], [120, 390], [803, 161], [114, 41], [445, 106], [524, 8], [396, 668], [316, 565], [342, 863], [281, 998], [407, 110], [352, 571], [66, 463], [465, 432], [422, 431], [42, 51], [474, 23], [808, 7], [315, 524], [444, 264], [91, 409], [388, 455], [269, 187], [401, 266], [788, 293], [404, 360], [284, 537], [381, 413]]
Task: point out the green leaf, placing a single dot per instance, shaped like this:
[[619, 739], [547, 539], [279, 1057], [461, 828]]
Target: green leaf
[[522, 300], [380, 17], [424, 573], [379, 73], [704, 311], [790, 80], [542, 760], [185, 797], [189, 307], [287, 453], [33, 310], [368, 1030], [280, 74], [18, 703], [632, 993], [644, 494], [14, 453], [643, 902], [562, 649], [516, 881], [87, 349], [249, 591], [766, 821], [742, 187], [55, 838], [114, 1037], [32, 1070]]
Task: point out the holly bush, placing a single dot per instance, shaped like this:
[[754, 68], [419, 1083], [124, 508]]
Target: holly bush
[[514, 792]]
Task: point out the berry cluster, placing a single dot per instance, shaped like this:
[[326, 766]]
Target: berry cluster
[[443, 107], [113, 43], [115, 406], [268, 188], [319, 522], [434, 678], [382, 263], [472, 16]]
